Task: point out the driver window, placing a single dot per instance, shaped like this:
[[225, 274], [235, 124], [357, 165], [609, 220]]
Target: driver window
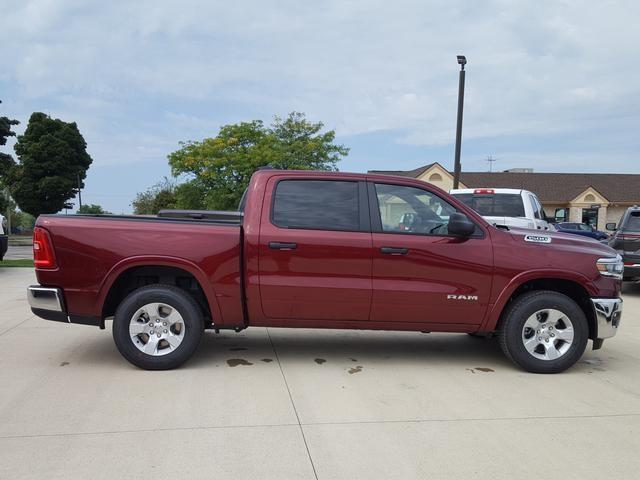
[[412, 210]]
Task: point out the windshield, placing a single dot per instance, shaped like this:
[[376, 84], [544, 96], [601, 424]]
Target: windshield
[[633, 223], [494, 205]]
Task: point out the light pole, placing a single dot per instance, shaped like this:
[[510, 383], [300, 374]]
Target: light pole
[[462, 60]]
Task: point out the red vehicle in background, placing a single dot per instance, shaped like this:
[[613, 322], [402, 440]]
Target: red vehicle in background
[[327, 250]]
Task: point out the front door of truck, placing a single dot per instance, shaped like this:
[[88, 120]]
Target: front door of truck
[[420, 272], [315, 250]]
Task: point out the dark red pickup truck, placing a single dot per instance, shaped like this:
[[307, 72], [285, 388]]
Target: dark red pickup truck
[[327, 250]]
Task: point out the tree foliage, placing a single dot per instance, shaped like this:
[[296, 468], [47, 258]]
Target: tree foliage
[[92, 209], [6, 160], [222, 166], [52, 153], [160, 196]]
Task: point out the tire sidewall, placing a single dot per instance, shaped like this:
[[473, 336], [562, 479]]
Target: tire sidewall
[[177, 299], [527, 306]]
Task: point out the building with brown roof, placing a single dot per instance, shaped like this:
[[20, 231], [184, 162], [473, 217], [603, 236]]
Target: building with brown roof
[[596, 198]]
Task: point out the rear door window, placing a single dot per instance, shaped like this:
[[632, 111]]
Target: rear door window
[[494, 205], [316, 205]]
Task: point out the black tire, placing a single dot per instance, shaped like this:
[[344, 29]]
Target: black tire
[[513, 324], [177, 299]]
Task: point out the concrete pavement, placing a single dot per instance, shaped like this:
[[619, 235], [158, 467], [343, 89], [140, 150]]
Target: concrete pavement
[[309, 404], [16, 252]]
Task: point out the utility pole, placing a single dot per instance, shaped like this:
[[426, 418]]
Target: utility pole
[[79, 193], [462, 61], [490, 161]]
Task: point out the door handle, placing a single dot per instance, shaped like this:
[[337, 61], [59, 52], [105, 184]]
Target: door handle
[[282, 246], [394, 250]]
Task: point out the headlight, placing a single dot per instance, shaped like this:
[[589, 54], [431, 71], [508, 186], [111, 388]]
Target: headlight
[[610, 267]]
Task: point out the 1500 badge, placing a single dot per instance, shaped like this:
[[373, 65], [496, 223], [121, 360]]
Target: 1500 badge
[[537, 238]]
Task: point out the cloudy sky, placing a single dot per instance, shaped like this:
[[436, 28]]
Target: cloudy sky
[[553, 85]]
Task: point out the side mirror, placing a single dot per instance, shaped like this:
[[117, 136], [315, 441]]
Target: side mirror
[[610, 226], [459, 224]]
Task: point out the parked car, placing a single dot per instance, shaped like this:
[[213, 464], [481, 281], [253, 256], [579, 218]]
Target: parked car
[[4, 239], [505, 206], [626, 240], [582, 229], [326, 250]]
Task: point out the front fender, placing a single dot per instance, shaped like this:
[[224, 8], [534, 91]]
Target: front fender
[[503, 297]]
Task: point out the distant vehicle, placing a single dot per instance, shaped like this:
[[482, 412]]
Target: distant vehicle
[[582, 229], [505, 206], [4, 239], [626, 240]]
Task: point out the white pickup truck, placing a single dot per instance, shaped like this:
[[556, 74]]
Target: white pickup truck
[[505, 206]]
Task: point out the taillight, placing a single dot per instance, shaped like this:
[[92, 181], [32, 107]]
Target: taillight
[[484, 191], [43, 254]]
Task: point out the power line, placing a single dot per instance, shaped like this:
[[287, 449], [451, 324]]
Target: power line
[[490, 161]]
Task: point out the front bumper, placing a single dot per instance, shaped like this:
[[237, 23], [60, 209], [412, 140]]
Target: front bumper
[[632, 271], [48, 303], [608, 314]]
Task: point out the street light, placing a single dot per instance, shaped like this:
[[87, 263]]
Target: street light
[[462, 61]]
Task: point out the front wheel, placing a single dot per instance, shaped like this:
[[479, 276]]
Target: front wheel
[[544, 332], [158, 327]]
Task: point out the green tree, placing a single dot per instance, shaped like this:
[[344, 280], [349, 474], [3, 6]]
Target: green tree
[[52, 154], [92, 209], [221, 167], [158, 197], [6, 160]]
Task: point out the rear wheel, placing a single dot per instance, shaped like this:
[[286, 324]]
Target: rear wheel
[[544, 332], [158, 327]]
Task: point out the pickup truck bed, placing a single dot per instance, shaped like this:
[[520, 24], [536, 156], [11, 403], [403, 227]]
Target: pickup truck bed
[[96, 250]]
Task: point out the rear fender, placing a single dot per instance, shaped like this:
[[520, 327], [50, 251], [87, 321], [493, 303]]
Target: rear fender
[[163, 261]]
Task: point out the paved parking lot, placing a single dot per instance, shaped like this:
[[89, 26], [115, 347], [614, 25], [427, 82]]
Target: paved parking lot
[[284, 404], [17, 252]]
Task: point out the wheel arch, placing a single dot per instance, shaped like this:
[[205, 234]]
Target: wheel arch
[[117, 283], [573, 286]]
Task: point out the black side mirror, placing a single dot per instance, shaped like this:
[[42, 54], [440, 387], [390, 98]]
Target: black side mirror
[[610, 226], [459, 224]]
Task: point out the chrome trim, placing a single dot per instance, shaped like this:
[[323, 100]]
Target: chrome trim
[[44, 298], [608, 315]]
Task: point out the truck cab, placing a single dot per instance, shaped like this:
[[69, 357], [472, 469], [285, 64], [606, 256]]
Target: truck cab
[[626, 240], [505, 206]]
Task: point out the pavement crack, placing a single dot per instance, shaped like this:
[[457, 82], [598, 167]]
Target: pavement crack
[[295, 410]]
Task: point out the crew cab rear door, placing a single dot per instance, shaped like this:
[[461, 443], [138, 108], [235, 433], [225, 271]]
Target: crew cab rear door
[[420, 272], [315, 249]]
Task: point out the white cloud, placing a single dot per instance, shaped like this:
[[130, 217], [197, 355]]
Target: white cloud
[[535, 68]]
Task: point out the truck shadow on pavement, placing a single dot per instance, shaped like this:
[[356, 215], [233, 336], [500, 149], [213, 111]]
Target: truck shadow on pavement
[[319, 348]]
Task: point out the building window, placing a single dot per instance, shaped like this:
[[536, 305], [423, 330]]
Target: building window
[[435, 177], [590, 217]]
